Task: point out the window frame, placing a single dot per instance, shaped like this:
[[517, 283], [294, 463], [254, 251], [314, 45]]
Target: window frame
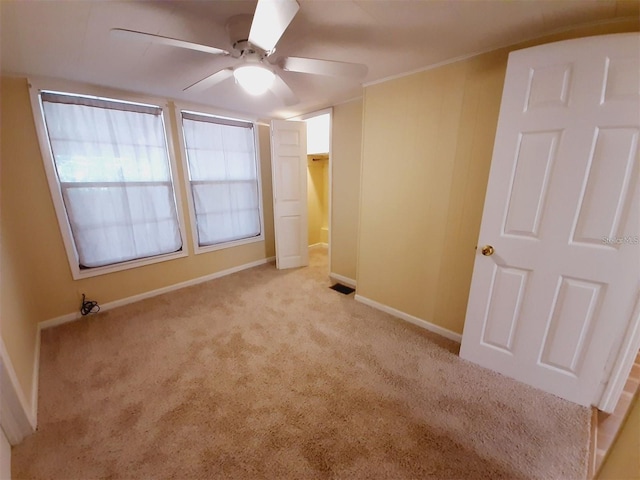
[[36, 86], [198, 249]]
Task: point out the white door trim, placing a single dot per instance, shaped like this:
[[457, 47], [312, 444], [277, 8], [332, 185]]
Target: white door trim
[[307, 116], [16, 418], [623, 362]]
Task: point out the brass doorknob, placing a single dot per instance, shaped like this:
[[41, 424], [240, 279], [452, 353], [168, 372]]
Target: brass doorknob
[[487, 250]]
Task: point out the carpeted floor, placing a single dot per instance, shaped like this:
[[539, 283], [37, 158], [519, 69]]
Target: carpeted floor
[[270, 374]]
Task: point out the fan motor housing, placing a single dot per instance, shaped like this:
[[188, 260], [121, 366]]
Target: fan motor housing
[[238, 28]]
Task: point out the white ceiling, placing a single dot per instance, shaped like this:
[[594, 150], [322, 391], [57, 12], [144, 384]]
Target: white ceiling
[[70, 40]]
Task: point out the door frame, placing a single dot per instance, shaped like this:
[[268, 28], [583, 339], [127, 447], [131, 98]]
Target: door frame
[[305, 117], [620, 362]]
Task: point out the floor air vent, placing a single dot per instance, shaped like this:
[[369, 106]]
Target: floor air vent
[[338, 287]]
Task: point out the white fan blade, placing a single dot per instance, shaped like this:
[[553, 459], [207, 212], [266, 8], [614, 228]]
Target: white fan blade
[[323, 67], [283, 91], [271, 19], [174, 42], [210, 81]]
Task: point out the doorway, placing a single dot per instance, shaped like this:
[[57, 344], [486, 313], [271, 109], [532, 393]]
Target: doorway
[[318, 178]]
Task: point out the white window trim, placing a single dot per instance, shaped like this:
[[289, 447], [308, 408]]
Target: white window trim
[[35, 86], [179, 108]]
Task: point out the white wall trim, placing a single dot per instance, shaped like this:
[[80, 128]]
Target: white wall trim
[[70, 317], [624, 361], [17, 419], [35, 380], [354, 99], [349, 282], [456, 337], [318, 245], [495, 48], [315, 113]]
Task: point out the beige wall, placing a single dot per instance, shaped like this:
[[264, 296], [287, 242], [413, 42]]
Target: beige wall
[[426, 154], [623, 461], [346, 139], [317, 199], [24, 217], [324, 211], [36, 279], [317, 207], [427, 146]]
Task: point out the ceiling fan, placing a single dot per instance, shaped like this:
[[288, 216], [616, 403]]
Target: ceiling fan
[[254, 70]]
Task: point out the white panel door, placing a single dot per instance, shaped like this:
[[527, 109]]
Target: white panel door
[[289, 169], [551, 304]]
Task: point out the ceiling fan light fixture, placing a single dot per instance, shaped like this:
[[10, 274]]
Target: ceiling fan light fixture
[[255, 79]]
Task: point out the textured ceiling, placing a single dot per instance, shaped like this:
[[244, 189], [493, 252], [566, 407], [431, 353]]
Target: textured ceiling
[[71, 40]]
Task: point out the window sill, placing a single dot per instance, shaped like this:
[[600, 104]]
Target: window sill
[[221, 246], [94, 272]]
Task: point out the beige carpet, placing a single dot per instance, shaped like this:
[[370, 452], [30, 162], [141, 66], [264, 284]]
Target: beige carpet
[[269, 374]]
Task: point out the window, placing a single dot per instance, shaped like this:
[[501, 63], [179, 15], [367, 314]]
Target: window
[[223, 179], [113, 172]]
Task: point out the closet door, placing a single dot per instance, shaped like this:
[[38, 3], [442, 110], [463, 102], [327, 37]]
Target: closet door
[[289, 169]]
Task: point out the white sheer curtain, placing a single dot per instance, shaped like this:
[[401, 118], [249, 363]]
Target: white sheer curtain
[[112, 165], [223, 175]]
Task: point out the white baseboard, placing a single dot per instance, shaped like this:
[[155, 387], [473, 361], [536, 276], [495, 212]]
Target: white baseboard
[[456, 337], [18, 419], [35, 381], [70, 317], [318, 245], [349, 282]]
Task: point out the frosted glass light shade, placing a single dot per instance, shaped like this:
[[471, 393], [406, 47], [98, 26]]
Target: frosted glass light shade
[[254, 79]]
